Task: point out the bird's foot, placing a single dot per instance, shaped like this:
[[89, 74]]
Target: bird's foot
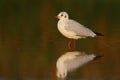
[[72, 49]]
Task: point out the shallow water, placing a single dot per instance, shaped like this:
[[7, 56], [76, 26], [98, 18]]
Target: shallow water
[[30, 43]]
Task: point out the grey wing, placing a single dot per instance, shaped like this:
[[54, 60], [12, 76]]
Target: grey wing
[[79, 61], [78, 29]]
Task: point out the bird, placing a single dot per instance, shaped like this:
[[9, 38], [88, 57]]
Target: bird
[[73, 29], [70, 61]]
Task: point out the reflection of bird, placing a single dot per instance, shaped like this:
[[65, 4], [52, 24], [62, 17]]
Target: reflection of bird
[[73, 30], [72, 60]]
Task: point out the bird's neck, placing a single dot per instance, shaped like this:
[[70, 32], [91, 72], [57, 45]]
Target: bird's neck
[[64, 19]]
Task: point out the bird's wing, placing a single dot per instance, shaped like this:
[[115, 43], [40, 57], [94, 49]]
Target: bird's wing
[[78, 61], [78, 29]]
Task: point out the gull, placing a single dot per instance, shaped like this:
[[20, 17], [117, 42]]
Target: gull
[[70, 61], [73, 30]]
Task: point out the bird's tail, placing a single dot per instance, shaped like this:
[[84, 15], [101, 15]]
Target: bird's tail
[[97, 57], [98, 34]]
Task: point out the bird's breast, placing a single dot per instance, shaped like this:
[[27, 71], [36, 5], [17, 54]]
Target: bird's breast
[[61, 27]]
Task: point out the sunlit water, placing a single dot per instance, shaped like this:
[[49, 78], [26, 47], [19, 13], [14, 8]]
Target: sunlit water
[[30, 43]]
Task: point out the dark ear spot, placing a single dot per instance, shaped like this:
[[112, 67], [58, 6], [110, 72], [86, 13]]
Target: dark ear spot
[[65, 16]]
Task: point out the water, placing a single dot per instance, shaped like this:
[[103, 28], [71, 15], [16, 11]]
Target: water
[[30, 42]]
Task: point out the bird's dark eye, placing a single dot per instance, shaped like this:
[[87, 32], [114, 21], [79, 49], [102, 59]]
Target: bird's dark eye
[[61, 14]]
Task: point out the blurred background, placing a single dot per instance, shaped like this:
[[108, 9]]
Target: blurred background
[[30, 43]]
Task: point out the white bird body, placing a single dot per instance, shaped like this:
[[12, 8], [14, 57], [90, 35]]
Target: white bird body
[[72, 29], [70, 61]]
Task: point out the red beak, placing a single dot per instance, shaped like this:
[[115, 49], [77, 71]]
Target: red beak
[[57, 17]]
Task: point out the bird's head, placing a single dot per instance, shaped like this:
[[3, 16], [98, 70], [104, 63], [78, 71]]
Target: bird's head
[[62, 16], [62, 74]]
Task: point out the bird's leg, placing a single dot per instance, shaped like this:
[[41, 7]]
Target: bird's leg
[[74, 45], [69, 45]]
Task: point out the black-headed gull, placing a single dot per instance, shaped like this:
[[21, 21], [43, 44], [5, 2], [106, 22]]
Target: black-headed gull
[[71, 61], [72, 29]]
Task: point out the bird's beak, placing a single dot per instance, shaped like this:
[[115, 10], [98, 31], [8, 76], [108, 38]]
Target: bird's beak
[[57, 17]]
